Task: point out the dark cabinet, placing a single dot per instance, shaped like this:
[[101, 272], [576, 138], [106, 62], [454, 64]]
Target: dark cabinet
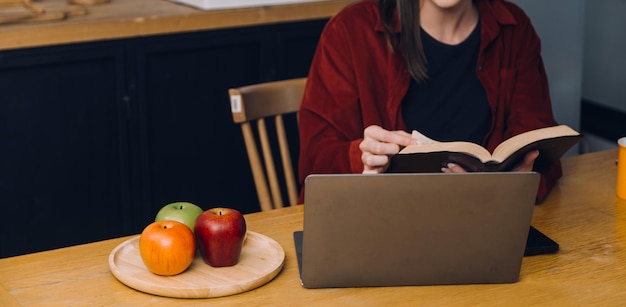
[[63, 156], [96, 137]]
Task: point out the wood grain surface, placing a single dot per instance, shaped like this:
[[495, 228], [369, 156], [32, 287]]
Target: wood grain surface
[[50, 11], [133, 18], [261, 260], [88, 2]]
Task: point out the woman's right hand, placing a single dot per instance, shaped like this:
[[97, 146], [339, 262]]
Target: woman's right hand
[[378, 145]]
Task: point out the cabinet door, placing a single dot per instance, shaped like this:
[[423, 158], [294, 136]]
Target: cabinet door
[[194, 151], [297, 44], [63, 154]]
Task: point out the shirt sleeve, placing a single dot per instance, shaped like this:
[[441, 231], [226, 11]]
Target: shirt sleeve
[[529, 102], [330, 122]]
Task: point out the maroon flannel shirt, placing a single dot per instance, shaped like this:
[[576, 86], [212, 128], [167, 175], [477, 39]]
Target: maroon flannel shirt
[[356, 81]]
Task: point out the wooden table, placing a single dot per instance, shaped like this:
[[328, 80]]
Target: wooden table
[[134, 18], [582, 213]]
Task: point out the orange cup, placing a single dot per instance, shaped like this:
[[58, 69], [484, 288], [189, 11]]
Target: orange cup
[[621, 168]]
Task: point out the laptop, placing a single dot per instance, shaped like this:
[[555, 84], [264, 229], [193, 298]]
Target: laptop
[[415, 229]]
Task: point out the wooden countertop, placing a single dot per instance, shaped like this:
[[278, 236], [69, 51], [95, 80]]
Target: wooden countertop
[[582, 213], [134, 18]]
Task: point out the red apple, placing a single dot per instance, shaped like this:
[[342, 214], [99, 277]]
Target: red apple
[[220, 233], [167, 247]]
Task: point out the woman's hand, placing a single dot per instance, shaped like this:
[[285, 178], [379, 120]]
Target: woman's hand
[[453, 168], [528, 162], [378, 144], [525, 166]]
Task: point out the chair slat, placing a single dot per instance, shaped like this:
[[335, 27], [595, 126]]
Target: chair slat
[[270, 168], [286, 160], [265, 201]]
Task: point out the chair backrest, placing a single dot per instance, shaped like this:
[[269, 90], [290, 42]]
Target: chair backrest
[[254, 104]]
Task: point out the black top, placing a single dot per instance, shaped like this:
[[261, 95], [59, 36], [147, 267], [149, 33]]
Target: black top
[[452, 104]]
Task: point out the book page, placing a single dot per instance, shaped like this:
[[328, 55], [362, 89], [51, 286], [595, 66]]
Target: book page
[[426, 145], [515, 143]]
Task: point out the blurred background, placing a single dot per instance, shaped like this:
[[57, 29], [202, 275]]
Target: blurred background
[[583, 50]]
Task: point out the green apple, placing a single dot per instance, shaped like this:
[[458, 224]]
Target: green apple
[[184, 212]]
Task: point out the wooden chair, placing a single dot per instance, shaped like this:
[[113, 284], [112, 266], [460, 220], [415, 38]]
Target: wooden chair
[[254, 104]]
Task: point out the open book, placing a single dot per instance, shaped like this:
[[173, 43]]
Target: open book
[[429, 156]]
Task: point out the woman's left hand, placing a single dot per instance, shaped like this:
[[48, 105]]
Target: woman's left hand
[[528, 162]]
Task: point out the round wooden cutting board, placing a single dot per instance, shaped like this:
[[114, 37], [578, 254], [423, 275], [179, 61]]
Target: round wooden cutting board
[[261, 260]]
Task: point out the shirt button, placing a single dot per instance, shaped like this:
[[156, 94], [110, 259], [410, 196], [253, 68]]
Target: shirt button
[[480, 68]]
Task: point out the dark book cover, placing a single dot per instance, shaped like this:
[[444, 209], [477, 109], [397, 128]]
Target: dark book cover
[[550, 151]]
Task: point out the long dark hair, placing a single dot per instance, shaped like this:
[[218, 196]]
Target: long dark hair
[[409, 41]]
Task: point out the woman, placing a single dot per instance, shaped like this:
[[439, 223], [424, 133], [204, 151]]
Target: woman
[[451, 69]]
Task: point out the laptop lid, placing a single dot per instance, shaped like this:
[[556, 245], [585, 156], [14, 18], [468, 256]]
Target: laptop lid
[[415, 229]]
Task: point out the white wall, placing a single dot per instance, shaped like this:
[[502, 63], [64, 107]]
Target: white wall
[[604, 66], [559, 24]]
